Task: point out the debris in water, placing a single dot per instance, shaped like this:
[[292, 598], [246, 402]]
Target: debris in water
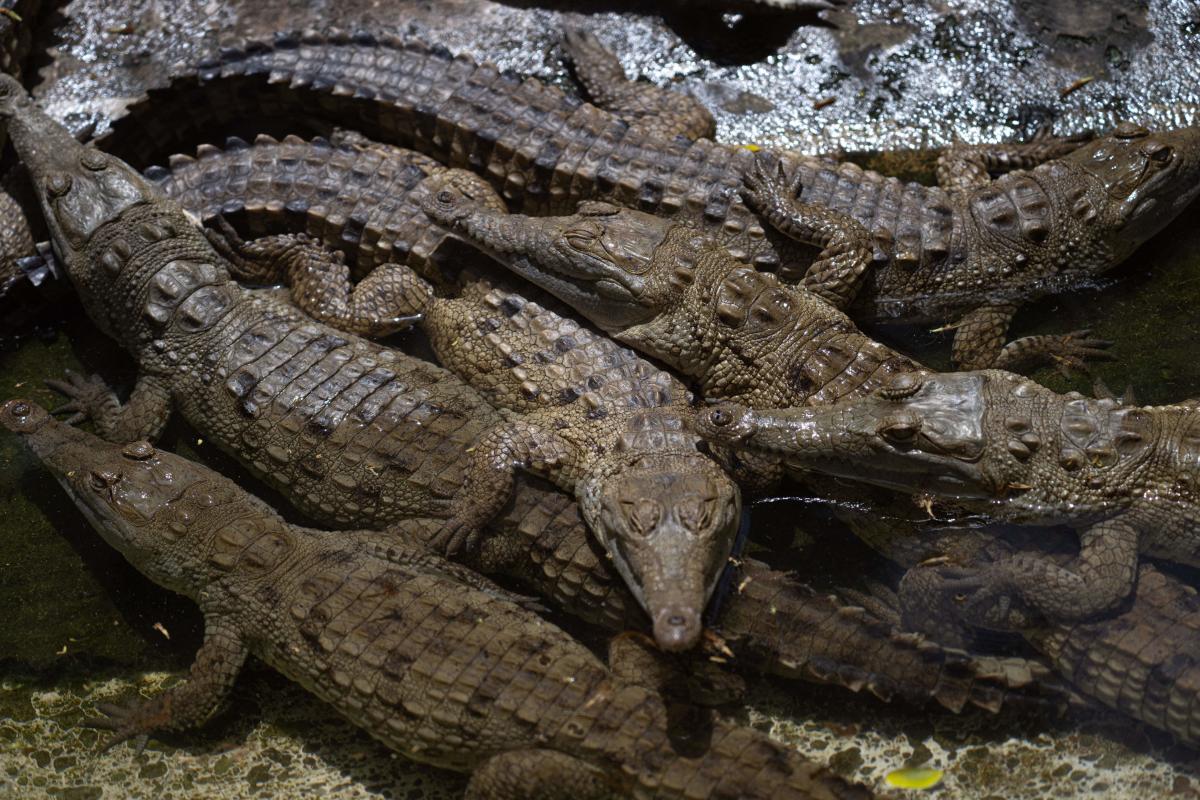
[[914, 778], [1077, 85]]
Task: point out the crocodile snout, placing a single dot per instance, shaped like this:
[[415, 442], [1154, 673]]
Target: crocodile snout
[[677, 627]]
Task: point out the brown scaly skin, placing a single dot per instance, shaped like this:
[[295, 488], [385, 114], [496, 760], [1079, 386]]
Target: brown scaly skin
[[660, 113], [677, 295], [590, 415], [995, 442], [966, 256], [426, 656], [364, 199], [1139, 660], [770, 610], [406, 456]]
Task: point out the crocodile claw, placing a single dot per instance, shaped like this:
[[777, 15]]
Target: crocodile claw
[[126, 721], [456, 535], [1070, 352], [85, 395], [764, 190]]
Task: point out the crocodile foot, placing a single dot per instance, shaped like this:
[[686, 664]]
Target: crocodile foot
[[87, 397], [457, 535], [136, 719], [1069, 353], [984, 596], [763, 190]]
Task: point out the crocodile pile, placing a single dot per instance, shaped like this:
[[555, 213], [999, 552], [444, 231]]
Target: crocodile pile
[[532, 358]]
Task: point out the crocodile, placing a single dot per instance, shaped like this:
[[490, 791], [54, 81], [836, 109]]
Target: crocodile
[[431, 659], [587, 414], [967, 255], [414, 452], [675, 294], [1138, 660], [995, 442]]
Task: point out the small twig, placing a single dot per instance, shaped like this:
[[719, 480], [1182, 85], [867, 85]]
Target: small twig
[[823, 102], [14, 16], [1077, 85]]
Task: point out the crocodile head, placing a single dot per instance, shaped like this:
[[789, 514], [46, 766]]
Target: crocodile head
[[600, 260], [123, 490], [83, 192], [919, 433], [669, 518], [1141, 180], [79, 187]]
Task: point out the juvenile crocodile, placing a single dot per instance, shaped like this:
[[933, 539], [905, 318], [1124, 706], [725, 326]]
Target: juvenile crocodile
[[1139, 660], [995, 442], [588, 414], [677, 295], [968, 256], [408, 458], [424, 655]]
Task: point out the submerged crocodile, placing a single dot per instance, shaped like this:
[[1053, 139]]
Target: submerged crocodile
[[424, 655], [1139, 660], [969, 256], [589, 415], [364, 447], [995, 442]]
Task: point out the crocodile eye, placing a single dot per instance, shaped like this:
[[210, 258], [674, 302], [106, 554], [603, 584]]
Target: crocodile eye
[[694, 514], [902, 385], [58, 184], [900, 430], [580, 238], [643, 516], [138, 451], [101, 479], [1162, 154], [720, 417], [93, 160], [1130, 130]]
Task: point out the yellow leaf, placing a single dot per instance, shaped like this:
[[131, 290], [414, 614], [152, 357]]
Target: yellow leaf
[[914, 778]]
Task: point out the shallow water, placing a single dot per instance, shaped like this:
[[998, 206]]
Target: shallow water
[[81, 625]]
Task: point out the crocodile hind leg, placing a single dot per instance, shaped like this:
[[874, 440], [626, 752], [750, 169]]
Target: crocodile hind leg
[[388, 300], [846, 250], [143, 417], [979, 344], [1096, 582], [186, 705], [967, 166], [663, 113], [539, 775], [495, 461]]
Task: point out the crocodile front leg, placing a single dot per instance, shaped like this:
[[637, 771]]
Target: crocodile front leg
[[968, 166], [495, 461], [143, 417], [661, 113], [538, 775], [188, 704], [979, 344], [1097, 581], [846, 251], [388, 300]]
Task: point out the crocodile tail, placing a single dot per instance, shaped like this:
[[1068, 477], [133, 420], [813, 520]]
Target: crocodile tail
[[789, 630], [678, 751], [543, 150], [1144, 661]]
